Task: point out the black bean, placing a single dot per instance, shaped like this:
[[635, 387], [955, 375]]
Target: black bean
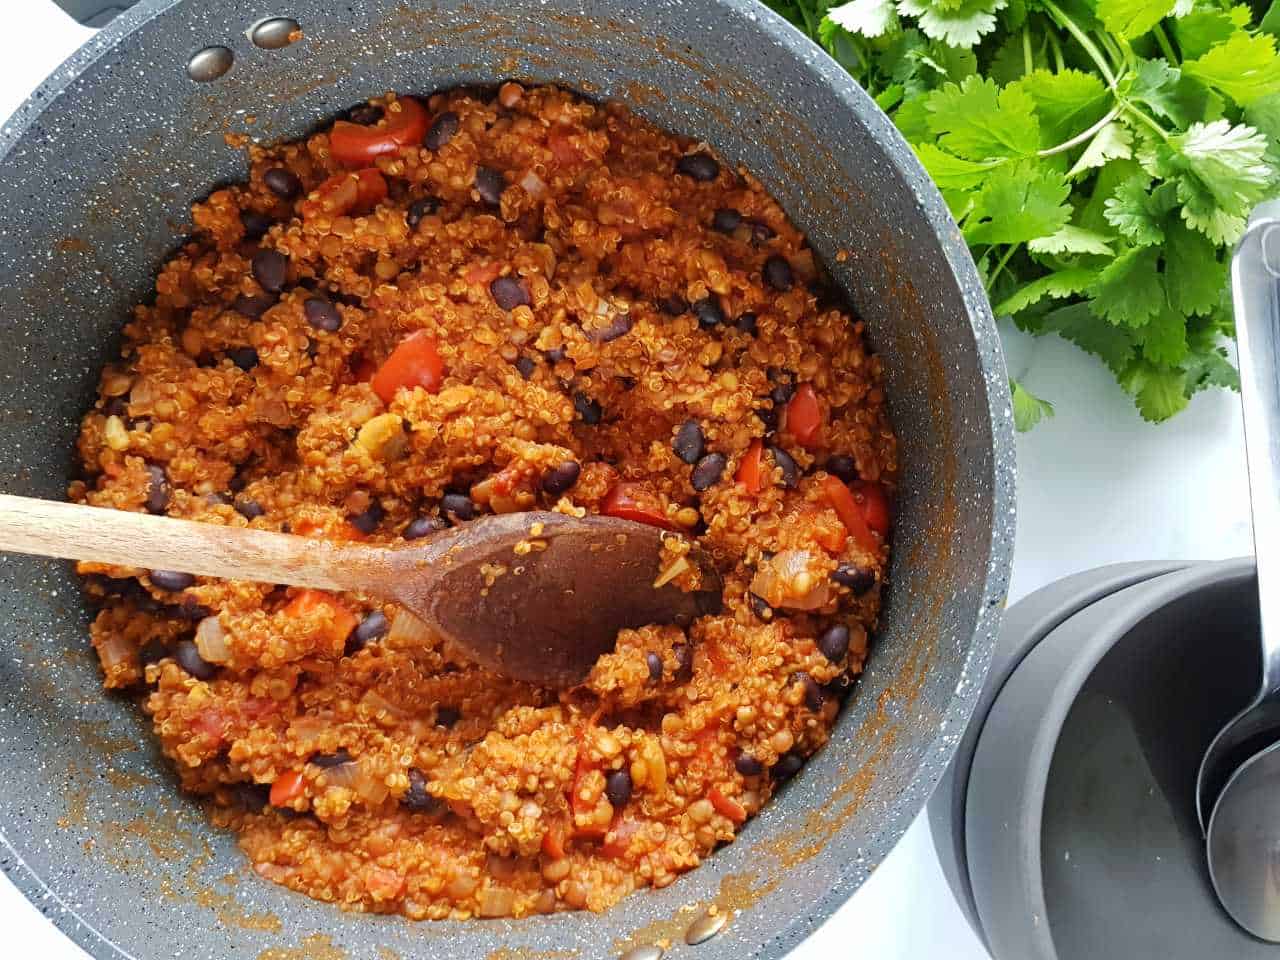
[[188, 609], [790, 471], [561, 479], [813, 698], [589, 410], [416, 797], [367, 522], [252, 307], [457, 507], [746, 323], [489, 184], [365, 114], [617, 787], [618, 326], [782, 393], [255, 224], [153, 652], [769, 418], [689, 442], [684, 661], [709, 312], [447, 716], [373, 627], [856, 578], [509, 293], [270, 269], [158, 491], [246, 358], [249, 509], [422, 526], [654, 663], [842, 467], [171, 580], [726, 220], [788, 766], [189, 659], [834, 642], [217, 500], [115, 407], [322, 315], [708, 471], [283, 183], [777, 273], [555, 354], [525, 366], [251, 796], [442, 130], [760, 607], [674, 305], [420, 209], [327, 760], [839, 687], [748, 766], [700, 166], [761, 233]]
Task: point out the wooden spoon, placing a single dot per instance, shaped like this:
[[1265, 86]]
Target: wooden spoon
[[536, 596]]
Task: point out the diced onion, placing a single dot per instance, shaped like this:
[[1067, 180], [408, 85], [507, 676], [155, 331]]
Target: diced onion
[[678, 566], [211, 641], [407, 630], [497, 902], [533, 184], [113, 650]]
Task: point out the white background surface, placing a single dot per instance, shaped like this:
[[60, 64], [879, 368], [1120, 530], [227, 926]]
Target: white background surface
[[1095, 486]]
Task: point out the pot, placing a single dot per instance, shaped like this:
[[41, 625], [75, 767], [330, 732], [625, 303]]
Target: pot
[[96, 173]]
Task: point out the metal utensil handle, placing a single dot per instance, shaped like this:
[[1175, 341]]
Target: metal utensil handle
[[1255, 279]]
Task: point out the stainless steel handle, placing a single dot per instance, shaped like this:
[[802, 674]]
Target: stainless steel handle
[[1255, 280]]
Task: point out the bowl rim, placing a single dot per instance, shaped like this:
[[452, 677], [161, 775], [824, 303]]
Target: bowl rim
[[993, 384]]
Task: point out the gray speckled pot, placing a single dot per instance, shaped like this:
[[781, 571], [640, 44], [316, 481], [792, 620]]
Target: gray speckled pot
[[96, 172]]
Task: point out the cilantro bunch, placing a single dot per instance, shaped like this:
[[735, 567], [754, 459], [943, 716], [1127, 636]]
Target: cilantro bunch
[[1101, 157]]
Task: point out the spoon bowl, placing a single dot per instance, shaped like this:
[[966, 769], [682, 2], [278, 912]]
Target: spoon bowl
[[536, 596], [1244, 845]]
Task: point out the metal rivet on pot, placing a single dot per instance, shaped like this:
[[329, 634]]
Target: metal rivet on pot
[[643, 953], [273, 33], [209, 64], [705, 927]]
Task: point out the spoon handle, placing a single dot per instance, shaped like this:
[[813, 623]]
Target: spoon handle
[[47, 528], [1256, 285]]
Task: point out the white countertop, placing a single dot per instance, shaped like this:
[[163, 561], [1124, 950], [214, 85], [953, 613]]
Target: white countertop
[[1096, 485]]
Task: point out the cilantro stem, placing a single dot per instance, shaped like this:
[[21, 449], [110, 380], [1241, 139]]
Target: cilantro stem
[[1166, 47], [1028, 61], [1000, 264], [1082, 137], [1058, 62], [1082, 38]]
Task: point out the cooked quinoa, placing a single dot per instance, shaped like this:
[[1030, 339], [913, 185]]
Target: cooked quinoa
[[477, 302]]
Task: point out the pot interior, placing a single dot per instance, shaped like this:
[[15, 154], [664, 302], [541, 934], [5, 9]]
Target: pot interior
[[96, 174]]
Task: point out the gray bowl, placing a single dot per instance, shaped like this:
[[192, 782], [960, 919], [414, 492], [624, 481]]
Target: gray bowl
[[1080, 827]]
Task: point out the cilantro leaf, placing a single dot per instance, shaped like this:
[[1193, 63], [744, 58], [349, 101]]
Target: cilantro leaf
[[1194, 277], [1077, 323], [1128, 290], [1019, 202], [1200, 29], [870, 18], [1158, 391], [1211, 369], [978, 121], [1155, 84], [1221, 172], [1072, 239], [1028, 409], [1059, 284], [1066, 103], [962, 24], [1164, 337], [950, 172], [1132, 18], [1112, 142], [1130, 211], [1264, 115], [1244, 68]]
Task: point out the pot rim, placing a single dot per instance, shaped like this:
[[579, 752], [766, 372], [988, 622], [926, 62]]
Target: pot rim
[[988, 355]]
